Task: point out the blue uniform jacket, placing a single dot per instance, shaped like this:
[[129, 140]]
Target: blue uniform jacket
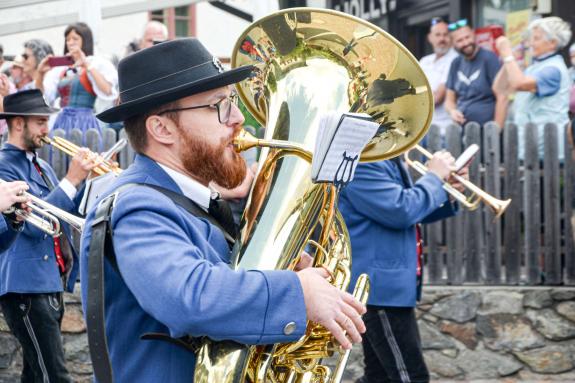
[[176, 279], [29, 265], [381, 211], [7, 234]]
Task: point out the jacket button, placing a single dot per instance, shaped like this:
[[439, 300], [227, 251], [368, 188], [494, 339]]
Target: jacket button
[[45, 257], [289, 328], [45, 236]]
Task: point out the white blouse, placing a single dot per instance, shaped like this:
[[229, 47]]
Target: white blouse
[[103, 66]]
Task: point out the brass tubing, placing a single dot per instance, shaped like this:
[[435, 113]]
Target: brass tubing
[[46, 216], [71, 149], [472, 202]]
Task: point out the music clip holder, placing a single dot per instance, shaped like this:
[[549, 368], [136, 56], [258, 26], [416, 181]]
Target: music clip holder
[[341, 138], [345, 171]]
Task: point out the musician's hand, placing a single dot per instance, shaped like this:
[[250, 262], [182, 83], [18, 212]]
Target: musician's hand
[[336, 310], [464, 172], [441, 164], [240, 191], [305, 261], [81, 165], [11, 193]]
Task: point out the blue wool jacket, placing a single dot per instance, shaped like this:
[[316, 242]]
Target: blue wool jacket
[[29, 264], [176, 279], [7, 234], [381, 210]]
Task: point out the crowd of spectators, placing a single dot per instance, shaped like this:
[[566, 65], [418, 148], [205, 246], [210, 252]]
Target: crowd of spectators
[[478, 85], [469, 83], [78, 81]]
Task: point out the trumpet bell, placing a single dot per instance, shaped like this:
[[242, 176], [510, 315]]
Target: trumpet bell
[[350, 64]]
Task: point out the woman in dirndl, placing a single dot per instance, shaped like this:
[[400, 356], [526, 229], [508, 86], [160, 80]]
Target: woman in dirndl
[[78, 85]]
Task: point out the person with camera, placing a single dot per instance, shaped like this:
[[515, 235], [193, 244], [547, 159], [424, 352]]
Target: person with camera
[[78, 79]]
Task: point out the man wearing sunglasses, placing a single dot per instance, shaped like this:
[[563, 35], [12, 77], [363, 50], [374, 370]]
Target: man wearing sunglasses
[[436, 67], [469, 95], [166, 269]]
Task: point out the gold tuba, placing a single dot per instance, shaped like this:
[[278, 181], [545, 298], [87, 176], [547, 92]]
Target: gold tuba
[[307, 62]]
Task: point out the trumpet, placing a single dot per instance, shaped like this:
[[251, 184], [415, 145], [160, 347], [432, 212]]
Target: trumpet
[[106, 166], [45, 216], [472, 201]]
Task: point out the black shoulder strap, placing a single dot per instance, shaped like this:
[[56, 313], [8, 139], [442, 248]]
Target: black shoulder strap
[[95, 321], [100, 247]]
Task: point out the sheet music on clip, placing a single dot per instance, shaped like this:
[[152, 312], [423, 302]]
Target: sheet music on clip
[[341, 138]]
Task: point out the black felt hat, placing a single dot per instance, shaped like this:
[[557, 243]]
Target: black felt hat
[[167, 72], [26, 103]]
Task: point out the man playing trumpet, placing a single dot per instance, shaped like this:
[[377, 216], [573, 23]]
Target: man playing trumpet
[[382, 208], [11, 194], [36, 268]]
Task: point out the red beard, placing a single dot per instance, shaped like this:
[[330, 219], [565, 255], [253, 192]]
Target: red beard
[[209, 163]]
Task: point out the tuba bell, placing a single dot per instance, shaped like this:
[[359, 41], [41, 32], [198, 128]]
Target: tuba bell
[[308, 62]]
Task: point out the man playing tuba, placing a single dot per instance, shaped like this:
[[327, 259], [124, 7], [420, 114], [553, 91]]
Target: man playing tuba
[[167, 269]]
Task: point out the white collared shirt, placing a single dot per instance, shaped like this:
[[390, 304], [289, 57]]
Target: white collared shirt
[[437, 71], [65, 185], [191, 188]]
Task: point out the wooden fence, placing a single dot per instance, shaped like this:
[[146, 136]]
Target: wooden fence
[[531, 244]]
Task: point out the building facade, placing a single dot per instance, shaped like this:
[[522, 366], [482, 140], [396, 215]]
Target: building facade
[[409, 20]]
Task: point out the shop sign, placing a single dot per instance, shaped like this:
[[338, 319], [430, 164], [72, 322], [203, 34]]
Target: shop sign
[[365, 9]]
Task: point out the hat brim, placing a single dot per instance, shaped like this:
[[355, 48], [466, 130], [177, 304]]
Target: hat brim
[[134, 107], [47, 111]]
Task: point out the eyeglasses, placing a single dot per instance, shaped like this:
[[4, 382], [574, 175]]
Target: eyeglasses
[[456, 25], [224, 108], [436, 20]]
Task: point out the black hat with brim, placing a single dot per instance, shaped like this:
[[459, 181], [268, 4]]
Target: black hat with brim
[[167, 72], [26, 103]]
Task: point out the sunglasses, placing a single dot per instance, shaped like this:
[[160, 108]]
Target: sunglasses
[[436, 20], [456, 25]]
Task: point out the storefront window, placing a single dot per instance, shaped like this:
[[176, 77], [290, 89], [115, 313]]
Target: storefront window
[[495, 11]]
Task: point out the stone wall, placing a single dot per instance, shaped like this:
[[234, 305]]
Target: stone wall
[[492, 333], [468, 333]]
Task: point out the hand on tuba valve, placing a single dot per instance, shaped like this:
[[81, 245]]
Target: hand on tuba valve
[[338, 311]]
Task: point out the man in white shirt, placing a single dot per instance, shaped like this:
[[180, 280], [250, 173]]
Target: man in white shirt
[[436, 68]]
